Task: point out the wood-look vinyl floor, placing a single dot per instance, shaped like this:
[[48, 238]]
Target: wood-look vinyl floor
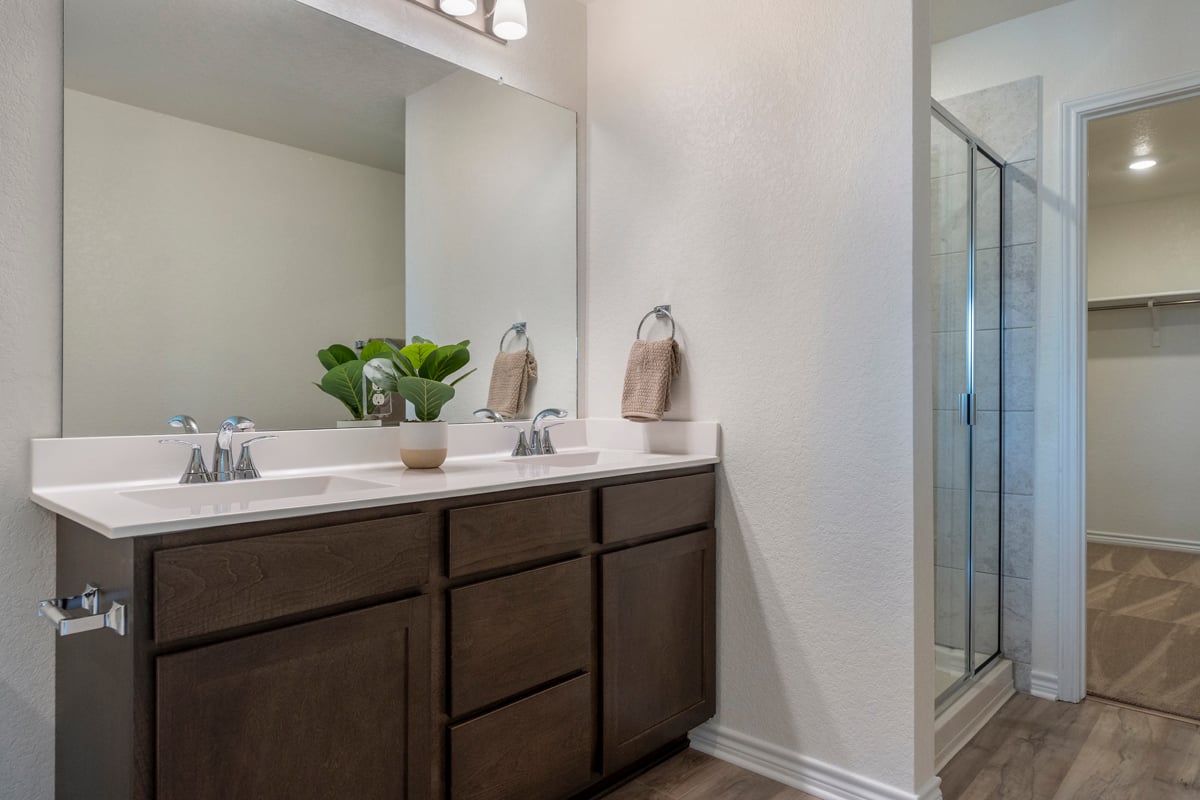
[[1042, 750], [1031, 750], [692, 775]]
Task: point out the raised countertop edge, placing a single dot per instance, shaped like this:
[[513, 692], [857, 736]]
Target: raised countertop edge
[[478, 465]]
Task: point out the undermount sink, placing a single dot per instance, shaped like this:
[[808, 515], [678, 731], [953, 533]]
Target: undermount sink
[[249, 491], [585, 458]]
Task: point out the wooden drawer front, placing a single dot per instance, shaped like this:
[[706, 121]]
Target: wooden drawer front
[[503, 534], [335, 708], [540, 747], [511, 634], [672, 504], [212, 587]]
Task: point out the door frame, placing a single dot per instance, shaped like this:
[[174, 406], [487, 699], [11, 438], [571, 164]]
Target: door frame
[[1072, 388]]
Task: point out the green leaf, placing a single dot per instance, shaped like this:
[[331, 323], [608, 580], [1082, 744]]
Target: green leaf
[[457, 357], [460, 377], [417, 352], [404, 365], [344, 382], [377, 349], [427, 397], [335, 354], [383, 373], [420, 340]]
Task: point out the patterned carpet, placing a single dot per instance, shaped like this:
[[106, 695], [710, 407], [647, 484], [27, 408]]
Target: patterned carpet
[[1143, 618]]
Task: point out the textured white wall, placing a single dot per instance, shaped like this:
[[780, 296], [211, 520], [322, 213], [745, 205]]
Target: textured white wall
[[756, 170], [1139, 248], [1080, 49], [493, 232], [551, 62], [30, 328], [1142, 444], [205, 250]]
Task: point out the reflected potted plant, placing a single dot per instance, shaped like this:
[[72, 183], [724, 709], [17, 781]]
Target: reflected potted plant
[[420, 373], [343, 380]]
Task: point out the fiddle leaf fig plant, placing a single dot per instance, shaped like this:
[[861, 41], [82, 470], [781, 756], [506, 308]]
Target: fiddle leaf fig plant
[[343, 378], [420, 373]]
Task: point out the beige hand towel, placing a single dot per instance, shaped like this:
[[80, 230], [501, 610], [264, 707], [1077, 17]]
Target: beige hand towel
[[648, 375], [511, 373]]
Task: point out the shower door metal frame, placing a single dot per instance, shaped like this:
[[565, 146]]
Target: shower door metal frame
[[968, 412]]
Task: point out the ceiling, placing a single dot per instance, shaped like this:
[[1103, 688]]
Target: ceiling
[[1168, 133], [275, 69], [950, 18]]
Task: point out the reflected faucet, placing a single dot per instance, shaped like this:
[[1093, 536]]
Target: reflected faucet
[[184, 421]]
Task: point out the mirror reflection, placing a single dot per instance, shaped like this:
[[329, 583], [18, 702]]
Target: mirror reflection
[[249, 183]]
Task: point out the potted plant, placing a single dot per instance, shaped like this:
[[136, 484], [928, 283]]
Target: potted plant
[[420, 373], [343, 380]]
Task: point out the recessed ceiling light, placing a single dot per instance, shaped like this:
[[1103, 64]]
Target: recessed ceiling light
[[1145, 163]]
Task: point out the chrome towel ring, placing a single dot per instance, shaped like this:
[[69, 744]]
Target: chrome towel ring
[[659, 312], [519, 329]]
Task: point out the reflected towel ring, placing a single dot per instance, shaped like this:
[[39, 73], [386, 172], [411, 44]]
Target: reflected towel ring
[[660, 312], [519, 329]]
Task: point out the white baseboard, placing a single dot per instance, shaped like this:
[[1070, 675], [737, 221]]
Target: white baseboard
[[1043, 684], [958, 723], [799, 771], [1133, 540]]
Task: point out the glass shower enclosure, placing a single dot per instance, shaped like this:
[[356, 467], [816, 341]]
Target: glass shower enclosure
[[966, 238]]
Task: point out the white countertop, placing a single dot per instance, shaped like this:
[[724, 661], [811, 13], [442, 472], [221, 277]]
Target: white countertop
[[341, 470]]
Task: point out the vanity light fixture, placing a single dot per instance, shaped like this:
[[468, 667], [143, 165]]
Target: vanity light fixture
[[1145, 163], [458, 8], [510, 20]]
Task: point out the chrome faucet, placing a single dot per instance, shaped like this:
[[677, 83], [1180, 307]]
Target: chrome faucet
[[490, 416], [538, 443], [187, 423], [223, 468], [539, 434]]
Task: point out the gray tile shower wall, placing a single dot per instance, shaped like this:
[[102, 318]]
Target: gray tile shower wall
[[1008, 119]]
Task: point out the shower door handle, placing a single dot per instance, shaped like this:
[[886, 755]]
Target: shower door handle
[[966, 408]]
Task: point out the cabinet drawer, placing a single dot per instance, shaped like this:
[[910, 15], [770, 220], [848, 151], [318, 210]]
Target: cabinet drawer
[[540, 747], [503, 534], [672, 504], [212, 587], [511, 634]]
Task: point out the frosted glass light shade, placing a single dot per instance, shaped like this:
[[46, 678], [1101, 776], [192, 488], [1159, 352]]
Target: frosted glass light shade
[[510, 20], [458, 8]]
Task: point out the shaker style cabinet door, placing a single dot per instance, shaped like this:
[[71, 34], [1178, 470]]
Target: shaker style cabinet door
[[335, 708], [659, 623]]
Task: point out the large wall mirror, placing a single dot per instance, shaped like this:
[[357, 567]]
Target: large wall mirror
[[247, 182]]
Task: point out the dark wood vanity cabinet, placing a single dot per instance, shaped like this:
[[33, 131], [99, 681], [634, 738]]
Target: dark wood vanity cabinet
[[533, 644]]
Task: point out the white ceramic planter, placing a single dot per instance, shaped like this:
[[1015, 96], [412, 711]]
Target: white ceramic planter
[[423, 444]]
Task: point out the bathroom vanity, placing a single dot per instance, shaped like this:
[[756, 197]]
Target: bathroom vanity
[[543, 641]]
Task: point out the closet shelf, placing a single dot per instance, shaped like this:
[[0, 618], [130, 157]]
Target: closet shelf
[[1143, 300]]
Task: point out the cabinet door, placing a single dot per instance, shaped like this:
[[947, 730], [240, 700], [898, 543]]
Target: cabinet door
[[335, 708], [659, 621]]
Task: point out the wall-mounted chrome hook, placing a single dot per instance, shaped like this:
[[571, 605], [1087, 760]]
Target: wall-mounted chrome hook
[[55, 610]]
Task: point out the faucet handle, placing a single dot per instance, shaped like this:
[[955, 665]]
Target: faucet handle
[[522, 448], [547, 445], [184, 421], [196, 471], [245, 468]]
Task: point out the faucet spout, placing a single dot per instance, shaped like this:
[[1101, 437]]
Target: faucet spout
[[539, 438], [222, 460]]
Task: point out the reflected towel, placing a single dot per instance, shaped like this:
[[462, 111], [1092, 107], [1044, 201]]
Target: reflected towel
[[648, 375], [511, 373]]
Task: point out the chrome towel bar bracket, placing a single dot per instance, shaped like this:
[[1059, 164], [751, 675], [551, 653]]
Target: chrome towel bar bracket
[[55, 610]]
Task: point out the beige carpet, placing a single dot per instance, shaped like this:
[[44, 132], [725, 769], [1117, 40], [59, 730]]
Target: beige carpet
[[1143, 617]]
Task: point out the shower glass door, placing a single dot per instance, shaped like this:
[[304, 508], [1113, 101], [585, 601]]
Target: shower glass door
[[967, 346]]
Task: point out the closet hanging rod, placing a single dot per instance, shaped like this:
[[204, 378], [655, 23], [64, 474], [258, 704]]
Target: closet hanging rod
[[1142, 301]]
